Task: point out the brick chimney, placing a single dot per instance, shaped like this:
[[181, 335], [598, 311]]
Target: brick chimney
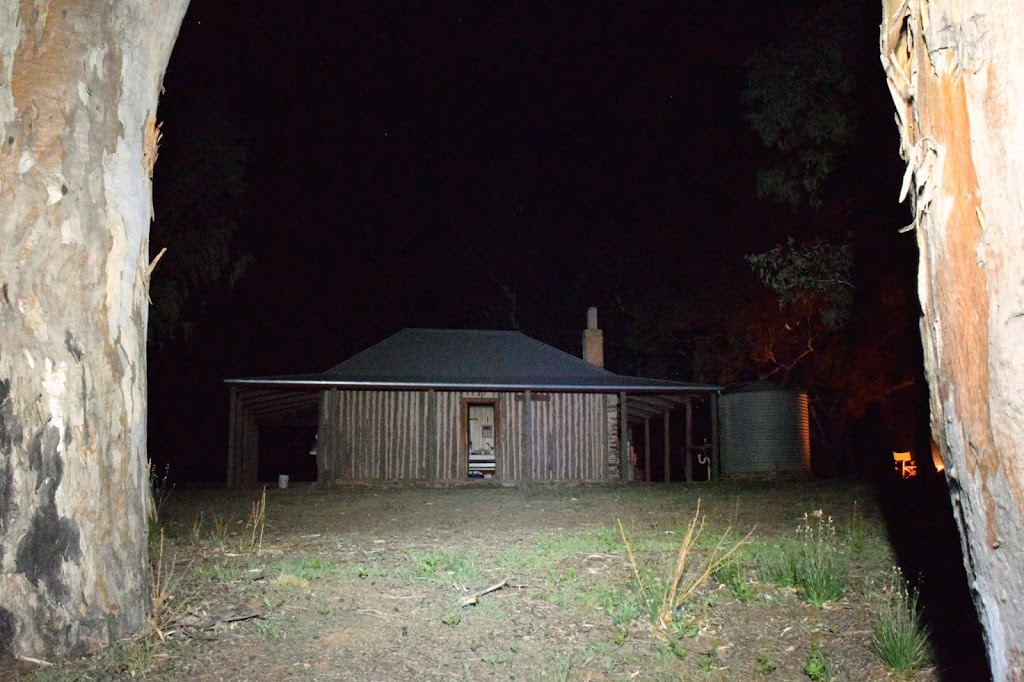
[[593, 340]]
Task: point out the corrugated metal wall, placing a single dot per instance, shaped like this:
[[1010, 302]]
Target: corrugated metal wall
[[766, 431], [389, 435]]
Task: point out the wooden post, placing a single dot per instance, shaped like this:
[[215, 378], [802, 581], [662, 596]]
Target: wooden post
[[688, 445], [232, 472], [716, 456], [647, 449], [668, 463], [324, 465], [625, 464], [250, 450], [527, 437]]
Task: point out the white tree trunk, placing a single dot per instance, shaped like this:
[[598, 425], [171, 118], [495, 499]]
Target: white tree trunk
[[79, 83], [956, 72]]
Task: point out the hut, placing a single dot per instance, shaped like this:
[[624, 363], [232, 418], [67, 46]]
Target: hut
[[442, 406]]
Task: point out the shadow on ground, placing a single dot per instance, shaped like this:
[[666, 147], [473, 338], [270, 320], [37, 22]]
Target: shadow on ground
[[924, 536]]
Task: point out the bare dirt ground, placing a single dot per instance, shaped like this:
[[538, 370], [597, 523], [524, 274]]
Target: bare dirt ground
[[369, 584]]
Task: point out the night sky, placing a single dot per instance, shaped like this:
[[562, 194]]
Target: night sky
[[408, 165]]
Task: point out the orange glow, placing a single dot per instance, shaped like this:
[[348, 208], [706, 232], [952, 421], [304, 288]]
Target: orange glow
[[905, 464], [937, 457]]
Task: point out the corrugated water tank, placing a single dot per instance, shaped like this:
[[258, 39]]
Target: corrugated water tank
[[765, 430]]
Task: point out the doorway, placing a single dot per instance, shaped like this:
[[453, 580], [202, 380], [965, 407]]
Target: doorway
[[481, 438]]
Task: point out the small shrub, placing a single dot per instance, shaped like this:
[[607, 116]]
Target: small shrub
[[899, 639]]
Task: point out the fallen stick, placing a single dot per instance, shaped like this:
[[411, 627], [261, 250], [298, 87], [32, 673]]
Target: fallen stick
[[472, 599]]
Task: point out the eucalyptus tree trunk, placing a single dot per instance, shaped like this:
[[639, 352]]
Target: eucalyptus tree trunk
[[79, 83], [955, 69]]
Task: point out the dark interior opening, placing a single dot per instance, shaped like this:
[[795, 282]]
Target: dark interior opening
[[286, 450]]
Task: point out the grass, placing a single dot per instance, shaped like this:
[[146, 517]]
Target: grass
[[584, 600], [899, 639], [813, 563], [444, 566], [818, 570]]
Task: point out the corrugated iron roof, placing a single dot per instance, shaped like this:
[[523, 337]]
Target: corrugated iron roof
[[460, 359]]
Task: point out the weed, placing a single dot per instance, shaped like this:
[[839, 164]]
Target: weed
[[685, 630], [314, 568], [220, 532], [134, 657], [289, 581], [621, 632], [160, 489], [817, 569], [682, 584], [899, 639], [451, 619], [270, 628], [444, 565], [774, 562], [162, 585], [252, 538], [706, 664], [217, 572], [678, 649], [816, 667], [197, 528], [855, 532], [623, 609], [766, 665], [496, 659], [730, 574]]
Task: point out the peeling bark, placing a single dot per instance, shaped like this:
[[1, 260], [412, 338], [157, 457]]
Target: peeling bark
[[79, 84], [956, 73]]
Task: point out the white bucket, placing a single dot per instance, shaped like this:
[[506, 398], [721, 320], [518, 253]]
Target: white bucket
[[282, 481]]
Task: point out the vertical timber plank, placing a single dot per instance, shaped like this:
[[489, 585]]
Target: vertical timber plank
[[431, 435], [527, 437], [668, 449]]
